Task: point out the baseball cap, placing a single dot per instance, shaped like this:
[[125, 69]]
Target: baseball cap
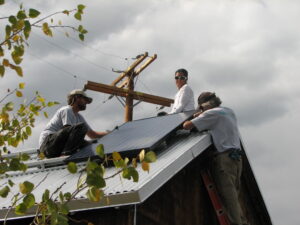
[[82, 93]]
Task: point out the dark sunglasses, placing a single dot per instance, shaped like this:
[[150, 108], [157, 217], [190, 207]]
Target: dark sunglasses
[[180, 77]]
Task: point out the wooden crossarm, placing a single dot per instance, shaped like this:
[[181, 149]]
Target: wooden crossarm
[[129, 69], [108, 89]]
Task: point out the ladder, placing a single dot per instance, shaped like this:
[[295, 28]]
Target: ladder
[[214, 198]]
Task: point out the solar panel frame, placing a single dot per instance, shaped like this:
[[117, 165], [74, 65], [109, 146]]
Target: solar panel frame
[[133, 136]]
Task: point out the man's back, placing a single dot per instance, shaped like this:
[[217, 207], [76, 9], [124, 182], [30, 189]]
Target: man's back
[[222, 125]]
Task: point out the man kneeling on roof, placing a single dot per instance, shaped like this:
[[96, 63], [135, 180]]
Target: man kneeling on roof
[[226, 168], [65, 132]]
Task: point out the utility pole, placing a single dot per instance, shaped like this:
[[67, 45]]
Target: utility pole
[[126, 88]]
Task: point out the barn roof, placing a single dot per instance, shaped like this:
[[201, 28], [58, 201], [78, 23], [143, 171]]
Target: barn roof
[[171, 158]]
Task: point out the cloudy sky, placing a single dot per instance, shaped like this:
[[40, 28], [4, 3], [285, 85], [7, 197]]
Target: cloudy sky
[[247, 51]]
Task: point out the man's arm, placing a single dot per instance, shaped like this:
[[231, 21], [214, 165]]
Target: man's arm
[[188, 125], [95, 134]]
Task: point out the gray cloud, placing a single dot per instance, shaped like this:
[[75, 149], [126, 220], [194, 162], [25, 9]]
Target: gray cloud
[[246, 51]]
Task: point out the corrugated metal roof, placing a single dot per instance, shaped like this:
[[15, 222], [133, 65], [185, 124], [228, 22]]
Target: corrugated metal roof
[[118, 192]]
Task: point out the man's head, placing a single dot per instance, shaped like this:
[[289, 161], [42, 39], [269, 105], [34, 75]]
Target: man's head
[[208, 100], [79, 97], [181, 77]]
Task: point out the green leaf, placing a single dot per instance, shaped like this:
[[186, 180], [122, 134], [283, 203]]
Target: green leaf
[[2, 2], [95, 179], [100, 151], [47, 30], [25, 157], [52, 207], [21, 209], [7, 31], [150, 157], [19, 70], [116, 156], [68, 196], [81, 37], [2, 71], [26, 187], [14, 164], [46, 195], [9, 106], [120, 163], [19, 25], [94, 194], [3, 168], [27, 29], [77, 16], [81, 7], [33, 13], [21, 15], [5, 62], [16, 57], [1, 51], [21, 85], [4, 192], [129, 173], [91, 166], [46, 114], [64, 209], [80, 28], [29, 200], [12, 19], [66, 12], [72, 167], [11, 183], [28, 130], [19, 94]]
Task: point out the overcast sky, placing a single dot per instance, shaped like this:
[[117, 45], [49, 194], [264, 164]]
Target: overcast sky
[[247, 51]]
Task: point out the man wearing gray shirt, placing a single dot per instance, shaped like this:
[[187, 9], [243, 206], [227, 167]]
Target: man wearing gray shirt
[[66, 131], [221, 123]]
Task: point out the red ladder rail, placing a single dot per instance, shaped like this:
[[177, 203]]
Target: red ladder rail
[[214, 198]]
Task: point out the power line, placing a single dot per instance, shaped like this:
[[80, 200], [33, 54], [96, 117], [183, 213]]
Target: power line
[[58, 68], [60, 47], [94, 49]]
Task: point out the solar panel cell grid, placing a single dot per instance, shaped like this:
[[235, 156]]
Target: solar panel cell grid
[[135, 135]]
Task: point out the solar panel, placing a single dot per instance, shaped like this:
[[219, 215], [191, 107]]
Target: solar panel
[[135, 135]]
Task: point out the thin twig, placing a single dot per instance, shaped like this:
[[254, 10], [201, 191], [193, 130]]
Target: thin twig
[[10, 93]]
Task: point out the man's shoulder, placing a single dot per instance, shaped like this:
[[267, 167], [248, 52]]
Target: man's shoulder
[[186, 88], [220, 111], [64, 110], [216, 110]]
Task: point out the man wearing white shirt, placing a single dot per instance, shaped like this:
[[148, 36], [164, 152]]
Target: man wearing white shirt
[[184, 98], [66, 131]]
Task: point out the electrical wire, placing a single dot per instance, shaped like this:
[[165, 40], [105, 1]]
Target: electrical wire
[[74, 54], [57, 67]]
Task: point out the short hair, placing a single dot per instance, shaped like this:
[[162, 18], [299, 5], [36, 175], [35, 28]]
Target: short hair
[[210, 97], [71, 99], [184, 72]]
